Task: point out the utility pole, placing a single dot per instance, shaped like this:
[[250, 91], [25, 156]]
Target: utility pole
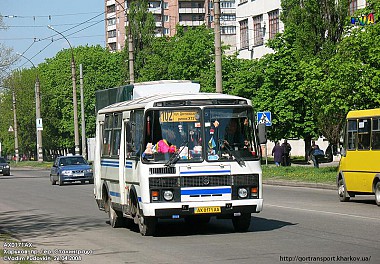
[[15, 123], [84, 148], [218, 48], [130, 43], [130, 52], [40, 156]]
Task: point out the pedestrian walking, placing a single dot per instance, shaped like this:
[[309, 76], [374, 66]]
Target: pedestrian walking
[[314, 153]]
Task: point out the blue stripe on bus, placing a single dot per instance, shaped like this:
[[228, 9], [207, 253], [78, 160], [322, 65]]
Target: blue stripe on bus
[[128, 165], [206, 191], [203, 172], [116, 194], [107, 163]]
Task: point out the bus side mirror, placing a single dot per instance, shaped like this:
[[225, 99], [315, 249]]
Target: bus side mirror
[[262, 133]]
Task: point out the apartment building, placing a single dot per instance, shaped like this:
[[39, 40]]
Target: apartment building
[[245, 24], [167, 14], [259, 20]]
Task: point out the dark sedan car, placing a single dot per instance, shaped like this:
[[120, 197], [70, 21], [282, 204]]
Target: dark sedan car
[[5, 169], [71, 169]]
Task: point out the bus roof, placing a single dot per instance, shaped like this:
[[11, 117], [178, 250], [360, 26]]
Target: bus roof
[[149, 101], [363, 113]]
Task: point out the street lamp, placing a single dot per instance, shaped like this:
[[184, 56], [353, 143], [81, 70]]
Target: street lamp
[[38, 113], [75, 103]]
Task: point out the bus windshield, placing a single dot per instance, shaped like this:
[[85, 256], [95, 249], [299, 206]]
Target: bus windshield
[[183, 135]]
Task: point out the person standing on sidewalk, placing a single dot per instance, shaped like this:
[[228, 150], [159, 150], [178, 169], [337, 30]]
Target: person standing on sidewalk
[[277, 153], [286, 148], [312, 154]]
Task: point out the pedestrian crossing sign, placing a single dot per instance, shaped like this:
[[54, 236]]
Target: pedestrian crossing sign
[[264, 118]]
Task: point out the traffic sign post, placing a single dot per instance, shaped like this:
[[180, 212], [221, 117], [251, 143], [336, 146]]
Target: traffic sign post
[[265, 118]]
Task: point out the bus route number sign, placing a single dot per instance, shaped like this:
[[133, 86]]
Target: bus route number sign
[[178, 116]]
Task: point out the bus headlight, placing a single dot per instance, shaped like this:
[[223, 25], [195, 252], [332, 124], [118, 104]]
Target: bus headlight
[[168, 195], [243, 193]]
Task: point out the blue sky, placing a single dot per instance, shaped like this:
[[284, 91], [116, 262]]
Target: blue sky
[[81, 21]]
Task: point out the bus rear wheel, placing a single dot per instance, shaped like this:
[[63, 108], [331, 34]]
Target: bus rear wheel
[[377, 193], [342, 192], [115, 217]]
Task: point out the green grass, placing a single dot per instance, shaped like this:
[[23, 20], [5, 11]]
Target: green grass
[[310, 174], [34, 164]]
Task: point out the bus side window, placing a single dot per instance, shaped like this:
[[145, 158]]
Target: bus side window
[[364, 133], [107, 131], [375, 133], [352, 133]]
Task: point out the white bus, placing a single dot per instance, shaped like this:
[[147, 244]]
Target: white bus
[[172, 156]]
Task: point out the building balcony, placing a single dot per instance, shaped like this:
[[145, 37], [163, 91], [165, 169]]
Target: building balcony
[[191, 23], [111, 15], [110, 2], [155, 10], [111, 40], [191, 10], [113, 27]]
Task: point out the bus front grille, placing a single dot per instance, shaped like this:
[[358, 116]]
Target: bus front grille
[[164, 170], [202, 181]]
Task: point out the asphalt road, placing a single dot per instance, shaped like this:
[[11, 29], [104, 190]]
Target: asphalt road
[[302, 225]]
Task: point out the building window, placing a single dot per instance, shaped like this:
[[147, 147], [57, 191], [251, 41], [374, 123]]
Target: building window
[[111, 9], [258, 30], [111, 21], [353, 7], [244, 34], [231, 30], [227, 4], [111, 34], [274, 23], [228, 17], [166, 18], [166, 5], [166, 31]]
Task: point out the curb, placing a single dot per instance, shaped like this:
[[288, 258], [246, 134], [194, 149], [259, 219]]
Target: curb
[[300, 184]]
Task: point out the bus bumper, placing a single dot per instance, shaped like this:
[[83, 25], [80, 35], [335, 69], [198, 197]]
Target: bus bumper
[[179, 210]]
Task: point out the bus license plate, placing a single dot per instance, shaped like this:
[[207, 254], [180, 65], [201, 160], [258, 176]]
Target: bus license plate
[[207, 210]]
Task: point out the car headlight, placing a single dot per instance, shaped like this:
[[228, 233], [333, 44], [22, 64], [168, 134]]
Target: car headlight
[[67, 172], [6, 167], [88, 171]]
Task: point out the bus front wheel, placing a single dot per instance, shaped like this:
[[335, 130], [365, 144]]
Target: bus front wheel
[[377, 193], [241, 223], [342, 192], [147, 225]]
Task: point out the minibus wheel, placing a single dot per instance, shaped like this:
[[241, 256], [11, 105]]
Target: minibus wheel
[[377, 193], [147, 225], [241, 223], [115, 217], [342, 191]]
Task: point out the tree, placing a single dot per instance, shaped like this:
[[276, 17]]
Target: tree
[[142, 27]]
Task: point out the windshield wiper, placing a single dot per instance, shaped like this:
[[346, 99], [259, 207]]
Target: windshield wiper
[[236, 155], [175, 157]]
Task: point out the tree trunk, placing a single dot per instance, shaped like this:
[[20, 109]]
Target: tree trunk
[[307, 140]]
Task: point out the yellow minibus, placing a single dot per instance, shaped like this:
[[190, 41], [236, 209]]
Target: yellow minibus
[[359, 167]]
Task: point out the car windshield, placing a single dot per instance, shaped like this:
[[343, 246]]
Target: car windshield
[[2, 160], [72, 161]]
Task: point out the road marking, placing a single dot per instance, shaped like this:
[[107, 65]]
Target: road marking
[[323, 212]]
